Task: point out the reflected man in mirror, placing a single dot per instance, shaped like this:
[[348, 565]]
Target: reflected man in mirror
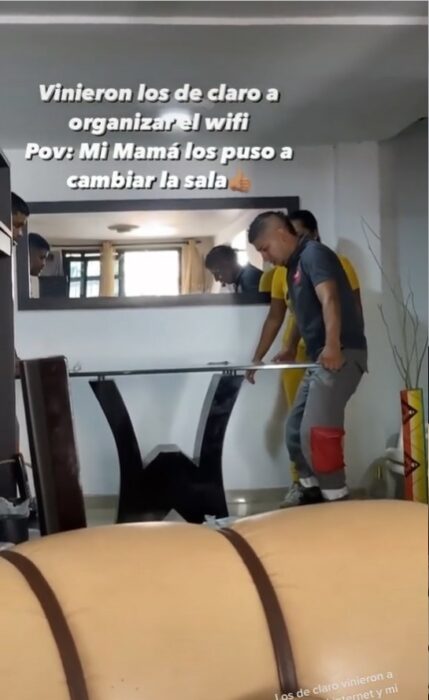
[[222, 261], [20, 214], [38, 252]]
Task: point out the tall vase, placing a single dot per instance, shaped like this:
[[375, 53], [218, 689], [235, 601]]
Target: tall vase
[[415, 454]]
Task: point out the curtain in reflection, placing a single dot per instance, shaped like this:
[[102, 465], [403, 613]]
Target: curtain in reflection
[[193, 271], [107, 280]]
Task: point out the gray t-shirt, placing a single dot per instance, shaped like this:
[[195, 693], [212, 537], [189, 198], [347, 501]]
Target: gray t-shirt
[[311, 264]]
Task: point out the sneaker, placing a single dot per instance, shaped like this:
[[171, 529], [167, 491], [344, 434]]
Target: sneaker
[[311, 496], [300, 496], [293, 496], [337, 500]]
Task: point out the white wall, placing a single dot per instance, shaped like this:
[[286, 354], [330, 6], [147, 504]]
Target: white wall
[[304, 176], [404, 180], [373, 413], [164, 409], [338, 185], [412, 211]]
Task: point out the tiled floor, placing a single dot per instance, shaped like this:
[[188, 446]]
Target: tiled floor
[[106, 516], [103, 512], [248, 503]]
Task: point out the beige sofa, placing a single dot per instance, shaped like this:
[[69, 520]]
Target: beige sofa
[[326, 601]]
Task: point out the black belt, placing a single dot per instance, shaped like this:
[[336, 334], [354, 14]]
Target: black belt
[[273, 612]]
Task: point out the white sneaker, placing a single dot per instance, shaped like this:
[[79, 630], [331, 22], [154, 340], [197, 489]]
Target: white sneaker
[[293, 496]]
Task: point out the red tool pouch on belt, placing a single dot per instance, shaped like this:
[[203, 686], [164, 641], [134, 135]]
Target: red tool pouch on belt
[[327, 449]]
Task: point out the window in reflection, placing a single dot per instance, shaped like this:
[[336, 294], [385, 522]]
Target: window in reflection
[[92, 288], [136, 273], [74, 289], [151, 272], [93, 268], [83, 271], [239, 243], [75, 269]]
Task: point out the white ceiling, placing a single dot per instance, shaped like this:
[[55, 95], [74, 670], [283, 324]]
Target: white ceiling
[[158, 225], [338, 82]]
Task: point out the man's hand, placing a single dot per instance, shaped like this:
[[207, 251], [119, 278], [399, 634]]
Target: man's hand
[[331, 358], [287, 355], [250, 373]]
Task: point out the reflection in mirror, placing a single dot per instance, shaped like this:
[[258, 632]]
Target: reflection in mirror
[[142, 253]]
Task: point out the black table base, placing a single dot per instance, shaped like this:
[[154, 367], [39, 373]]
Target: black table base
[[171, 480]]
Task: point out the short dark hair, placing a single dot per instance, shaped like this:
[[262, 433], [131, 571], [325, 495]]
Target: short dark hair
[[219, 254], [307, 218], [258, 225], [18, 205], [37, 242]]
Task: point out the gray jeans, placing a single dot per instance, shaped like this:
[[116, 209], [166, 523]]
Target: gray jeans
[[315, 426]]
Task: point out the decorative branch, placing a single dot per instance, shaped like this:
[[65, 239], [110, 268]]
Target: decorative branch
[[409, 362], [416, 329], [404, 331], [378, 263], [397, 358], [420, 363]]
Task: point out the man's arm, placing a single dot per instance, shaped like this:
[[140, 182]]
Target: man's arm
[[288, 354], [331, 356], [270, 329], [321, 264]]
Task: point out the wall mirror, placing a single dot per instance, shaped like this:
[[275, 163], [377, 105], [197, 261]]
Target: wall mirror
[[139, 253]]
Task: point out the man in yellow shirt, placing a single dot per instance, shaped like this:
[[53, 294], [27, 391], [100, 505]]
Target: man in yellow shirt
[[305, 223], [266, 281]]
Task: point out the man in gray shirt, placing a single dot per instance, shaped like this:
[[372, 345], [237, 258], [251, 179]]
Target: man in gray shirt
[[329, 321]]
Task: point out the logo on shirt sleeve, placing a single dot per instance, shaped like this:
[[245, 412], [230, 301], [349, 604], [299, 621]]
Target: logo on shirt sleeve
[[297, 276]]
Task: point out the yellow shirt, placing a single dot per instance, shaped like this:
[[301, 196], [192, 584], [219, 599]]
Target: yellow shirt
[[266, 280], [279, 291]]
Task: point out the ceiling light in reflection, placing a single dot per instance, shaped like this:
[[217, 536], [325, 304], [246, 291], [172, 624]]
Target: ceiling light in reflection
[[156, 231]]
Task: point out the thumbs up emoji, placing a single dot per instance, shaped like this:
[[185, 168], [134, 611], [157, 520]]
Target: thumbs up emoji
[[240, 183]]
